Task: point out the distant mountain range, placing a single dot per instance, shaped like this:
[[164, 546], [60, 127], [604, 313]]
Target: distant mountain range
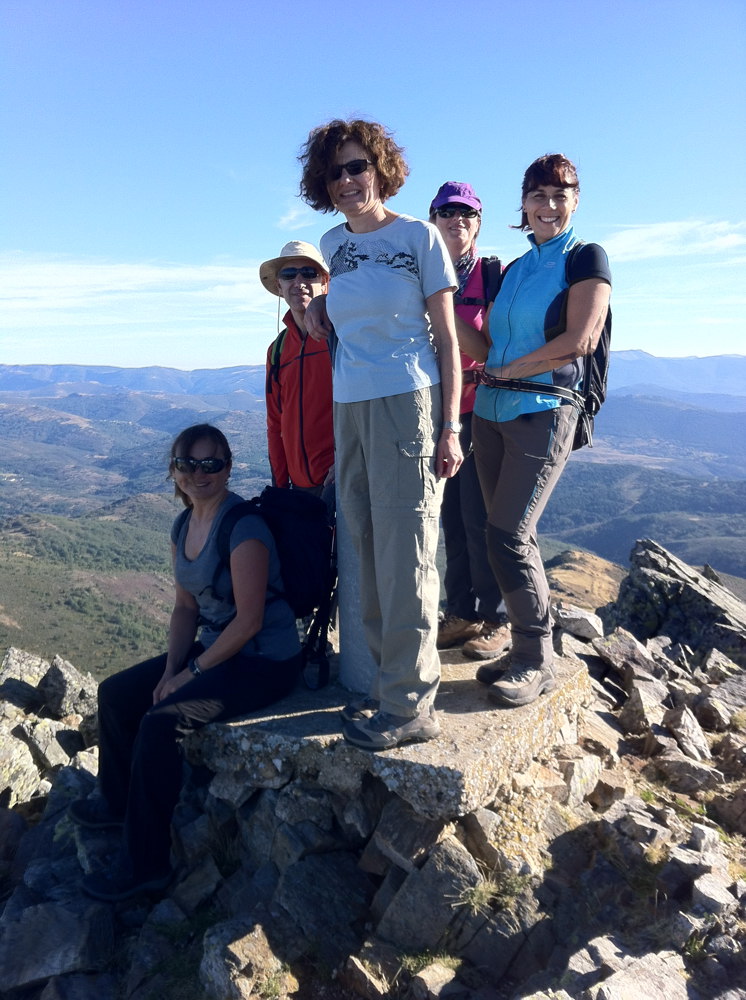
[[631, 373], [721, 375]]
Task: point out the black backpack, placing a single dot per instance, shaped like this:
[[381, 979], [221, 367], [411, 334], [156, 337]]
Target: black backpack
[[591, 394], [300, 527]]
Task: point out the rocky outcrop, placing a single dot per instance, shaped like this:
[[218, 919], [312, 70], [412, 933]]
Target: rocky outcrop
[[575, 848], [663, 596]]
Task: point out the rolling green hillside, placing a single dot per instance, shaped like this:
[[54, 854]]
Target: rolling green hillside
[[97, 589], [606, 508]]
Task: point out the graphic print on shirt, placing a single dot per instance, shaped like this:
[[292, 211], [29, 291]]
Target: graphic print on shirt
[[348, 258]]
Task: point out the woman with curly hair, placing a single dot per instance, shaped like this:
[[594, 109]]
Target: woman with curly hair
[[396, 408]]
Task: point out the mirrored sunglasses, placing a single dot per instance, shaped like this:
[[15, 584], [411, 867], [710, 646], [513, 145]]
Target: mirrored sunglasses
[[353, 168], [307, 272], [448, 212], [210, 466]]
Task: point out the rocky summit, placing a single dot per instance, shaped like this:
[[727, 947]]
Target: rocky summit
[[589, 846]]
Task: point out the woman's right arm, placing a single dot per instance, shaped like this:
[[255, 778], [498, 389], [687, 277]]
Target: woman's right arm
[[316, 320], [474, 343], [587, 306]]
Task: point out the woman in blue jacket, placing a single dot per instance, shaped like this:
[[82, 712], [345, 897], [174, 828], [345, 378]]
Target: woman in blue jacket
[[522, 440]]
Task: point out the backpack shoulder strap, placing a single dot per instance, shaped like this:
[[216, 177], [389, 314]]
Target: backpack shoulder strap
[[570, 259], [500, 279], [492, 276], [273, 368], [228, 522], [181, 520], [225, 529], [491, 268]]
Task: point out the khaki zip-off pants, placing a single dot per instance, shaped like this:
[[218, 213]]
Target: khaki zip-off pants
[[390, 497]]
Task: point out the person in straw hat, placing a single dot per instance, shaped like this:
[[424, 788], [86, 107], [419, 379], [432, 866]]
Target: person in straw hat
[[300, 434]]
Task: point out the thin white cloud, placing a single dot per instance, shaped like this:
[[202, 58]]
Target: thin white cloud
[[62, 290], [297, 217], [686, 238]]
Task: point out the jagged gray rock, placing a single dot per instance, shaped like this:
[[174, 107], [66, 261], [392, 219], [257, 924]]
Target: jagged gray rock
[[687, 775], [655, 977], [66, 691], [577, 621], [688, 733], [431, 982], [622, 651], [50, 940], [237, 957], [731, 809], [662, 594], [643, 709], [19, 776], [446, 881]]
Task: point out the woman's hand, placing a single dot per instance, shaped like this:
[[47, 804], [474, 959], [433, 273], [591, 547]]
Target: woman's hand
[[170, 683], [316, 319], [448, 457]]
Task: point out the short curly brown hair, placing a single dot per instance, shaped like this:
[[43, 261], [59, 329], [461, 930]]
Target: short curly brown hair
[[322, 145], [552, 170]]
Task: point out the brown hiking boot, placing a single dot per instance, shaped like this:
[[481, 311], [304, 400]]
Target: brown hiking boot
[[492, 641], [453, 630], [522, 684]]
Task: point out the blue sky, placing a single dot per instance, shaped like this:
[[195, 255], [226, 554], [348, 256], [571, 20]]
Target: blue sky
[[148, 160]]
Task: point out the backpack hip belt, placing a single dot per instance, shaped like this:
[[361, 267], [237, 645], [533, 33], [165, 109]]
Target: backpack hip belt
[[524, 385]]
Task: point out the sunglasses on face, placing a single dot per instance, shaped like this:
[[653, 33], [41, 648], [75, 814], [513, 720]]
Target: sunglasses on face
[[448, 212], [308, 273], [353, 168], [210, 466]]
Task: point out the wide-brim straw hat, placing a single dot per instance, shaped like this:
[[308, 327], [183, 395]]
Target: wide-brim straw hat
[[295, 248]]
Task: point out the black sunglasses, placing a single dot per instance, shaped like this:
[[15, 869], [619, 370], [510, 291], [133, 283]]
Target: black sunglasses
[[288, 273], [353, 168], [448, 212], [210, 466]]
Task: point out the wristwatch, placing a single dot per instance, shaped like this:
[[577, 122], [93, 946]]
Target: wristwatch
[[452, 425], [194, 666]]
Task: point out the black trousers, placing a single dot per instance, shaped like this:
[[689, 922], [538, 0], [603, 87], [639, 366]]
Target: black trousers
[[140, 764], [472, 591]]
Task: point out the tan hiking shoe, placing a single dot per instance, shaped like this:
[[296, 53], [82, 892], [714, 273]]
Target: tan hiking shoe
[[492, 641], [454, 630]]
